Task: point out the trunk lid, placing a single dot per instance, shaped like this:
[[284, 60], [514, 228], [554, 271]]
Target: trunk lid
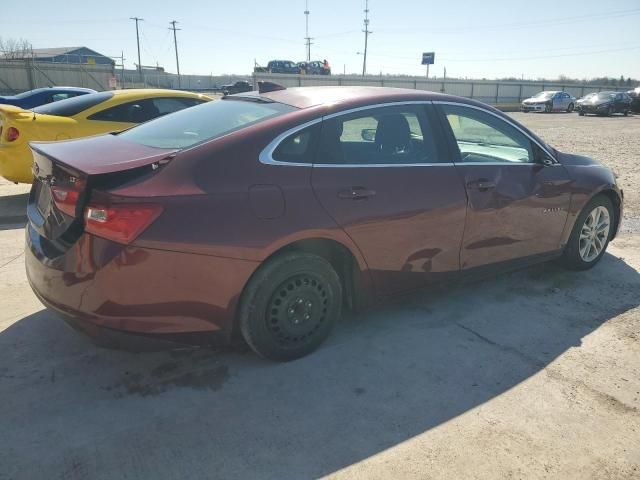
[[65, 174]]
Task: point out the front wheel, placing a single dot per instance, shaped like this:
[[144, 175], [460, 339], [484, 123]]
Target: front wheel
[[570, 108], [609, 111], [590, 235], [548, 107], [581, 113], [290, 306]]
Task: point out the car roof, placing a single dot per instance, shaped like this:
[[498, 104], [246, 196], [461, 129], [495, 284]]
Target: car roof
[[305, 97], [154, 92]]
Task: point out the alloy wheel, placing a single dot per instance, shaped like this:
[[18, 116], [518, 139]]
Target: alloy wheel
[[594, 234]]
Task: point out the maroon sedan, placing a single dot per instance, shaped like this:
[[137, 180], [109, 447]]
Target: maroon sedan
[[264, 214]]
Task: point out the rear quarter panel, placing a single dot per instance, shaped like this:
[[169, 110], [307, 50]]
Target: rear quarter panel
[[205, 192]]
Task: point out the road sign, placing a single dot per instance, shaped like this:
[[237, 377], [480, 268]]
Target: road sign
[[428, 58]]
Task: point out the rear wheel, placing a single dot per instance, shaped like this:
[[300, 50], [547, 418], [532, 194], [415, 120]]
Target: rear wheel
[[626, 113], [609, 111], [590, 235], [290, 306], [570, 108]]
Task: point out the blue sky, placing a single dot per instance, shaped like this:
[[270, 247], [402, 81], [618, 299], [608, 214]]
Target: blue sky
[[477, 39]]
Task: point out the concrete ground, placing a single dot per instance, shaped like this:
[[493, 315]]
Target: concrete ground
[[534, 374]]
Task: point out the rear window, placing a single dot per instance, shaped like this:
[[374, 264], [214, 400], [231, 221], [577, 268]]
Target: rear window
[[75, 105], [203, 122]]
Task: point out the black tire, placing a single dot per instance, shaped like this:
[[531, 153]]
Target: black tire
[[570, 108], [571, 257], [626, 113], [290, 306], [548, 107], [581, 113], [609, 111]]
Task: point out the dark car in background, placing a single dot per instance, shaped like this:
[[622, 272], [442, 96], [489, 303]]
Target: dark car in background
[[279, 66], [42, 96], [605, 103], [240, 86], [549, 101], [635, 99], [264, 214], [315, 67]]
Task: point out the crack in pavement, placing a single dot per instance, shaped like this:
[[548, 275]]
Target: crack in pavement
[[13, 259], [505, 348], [606, 399]]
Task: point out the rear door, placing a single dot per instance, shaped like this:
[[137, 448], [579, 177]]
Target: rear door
[[380, 174], [517, 205]]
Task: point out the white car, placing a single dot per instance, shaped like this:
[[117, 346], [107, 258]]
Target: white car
[[549, 101]]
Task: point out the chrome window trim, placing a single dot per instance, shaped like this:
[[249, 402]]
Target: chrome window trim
[[381, 165], [458, 104], [266, 155]]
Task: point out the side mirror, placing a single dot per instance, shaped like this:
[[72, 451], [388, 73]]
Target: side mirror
[[368, 134]]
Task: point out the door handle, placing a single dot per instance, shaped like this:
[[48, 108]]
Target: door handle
[[482, 184], [356, 193]]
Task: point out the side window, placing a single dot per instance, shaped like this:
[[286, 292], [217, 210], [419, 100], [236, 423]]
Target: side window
[[170, 105], [61, 96], [298, 147], [382, 136], [131, 112], [482, 137]]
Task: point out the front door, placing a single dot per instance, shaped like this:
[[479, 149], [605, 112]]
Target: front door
[[517, 205], [379, 173]]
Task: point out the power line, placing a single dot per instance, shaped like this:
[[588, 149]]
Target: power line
[[366, 36], [175, 44], [307, 37], [515, 25], [137, 19]]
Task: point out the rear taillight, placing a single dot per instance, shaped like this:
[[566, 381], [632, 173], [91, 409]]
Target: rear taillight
[[12, 134], [66, 199], [120, 223]]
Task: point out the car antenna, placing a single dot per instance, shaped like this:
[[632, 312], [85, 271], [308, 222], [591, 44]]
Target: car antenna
[[265, 87]]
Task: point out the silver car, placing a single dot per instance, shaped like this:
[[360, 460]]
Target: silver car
[[549, 101]]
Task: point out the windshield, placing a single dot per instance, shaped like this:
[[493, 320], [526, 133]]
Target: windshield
[[544, 95], [204, 122], [605, 95], [72, 106]]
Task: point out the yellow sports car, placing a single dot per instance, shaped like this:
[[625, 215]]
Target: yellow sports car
[[91, 114]]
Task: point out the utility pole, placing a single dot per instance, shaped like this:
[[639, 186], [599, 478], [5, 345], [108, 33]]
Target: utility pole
[[307, 37], [175, 43], [122, 66], [366, 36], [138, 19]]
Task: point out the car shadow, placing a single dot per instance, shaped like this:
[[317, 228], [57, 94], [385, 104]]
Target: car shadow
[[381, 379]]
